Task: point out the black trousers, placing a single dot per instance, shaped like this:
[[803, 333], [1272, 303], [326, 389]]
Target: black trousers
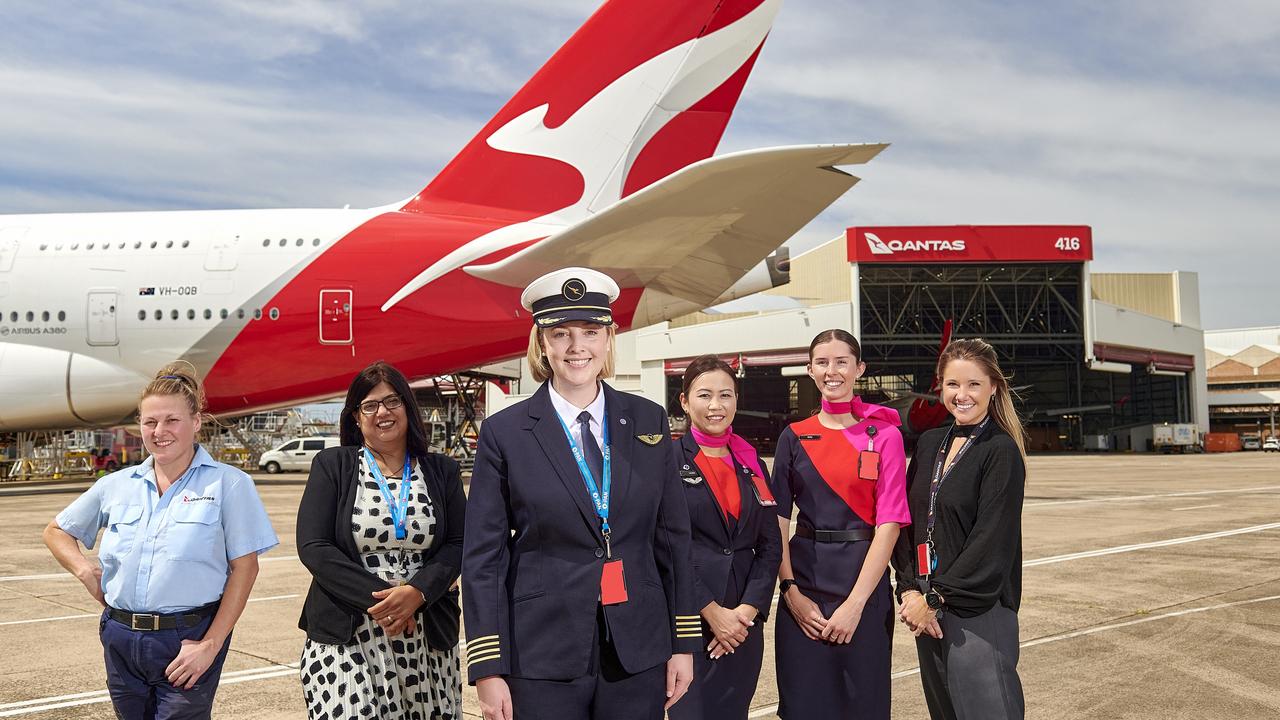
[[972, 672], [606, 692]]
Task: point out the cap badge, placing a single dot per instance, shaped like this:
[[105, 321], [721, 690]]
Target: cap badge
[[573, 289]]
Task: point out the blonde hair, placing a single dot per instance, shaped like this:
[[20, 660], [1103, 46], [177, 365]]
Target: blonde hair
[[981, 353], [541, 368], [177, 378]]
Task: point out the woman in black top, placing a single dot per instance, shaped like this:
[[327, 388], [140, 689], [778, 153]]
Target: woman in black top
[[380, 529], [959, 569]]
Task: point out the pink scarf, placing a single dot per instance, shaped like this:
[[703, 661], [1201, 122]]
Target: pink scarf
[[866, 411], [737, 446]]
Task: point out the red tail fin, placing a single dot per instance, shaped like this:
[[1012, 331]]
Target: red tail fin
[[644, 88]]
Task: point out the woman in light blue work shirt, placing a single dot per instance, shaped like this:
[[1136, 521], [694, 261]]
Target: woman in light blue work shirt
[[178, 558]]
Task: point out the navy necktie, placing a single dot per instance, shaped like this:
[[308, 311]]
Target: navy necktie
[[591, 449]]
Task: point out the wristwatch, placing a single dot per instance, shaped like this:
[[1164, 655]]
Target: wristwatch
[[786, 585], [934, 600]]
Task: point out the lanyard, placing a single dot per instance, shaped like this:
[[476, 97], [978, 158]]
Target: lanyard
[[939, 475], [598, 496], [397, 508]]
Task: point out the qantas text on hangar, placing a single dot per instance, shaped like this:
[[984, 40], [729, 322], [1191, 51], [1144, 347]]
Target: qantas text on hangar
[[879, 247]]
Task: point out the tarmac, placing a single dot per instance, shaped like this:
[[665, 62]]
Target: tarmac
[[1151, 590]]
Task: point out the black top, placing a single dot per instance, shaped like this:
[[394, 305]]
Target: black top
[[341, 587], [977, 531]]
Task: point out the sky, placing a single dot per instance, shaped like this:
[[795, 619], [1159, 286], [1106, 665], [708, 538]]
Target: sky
[[1153, 122]]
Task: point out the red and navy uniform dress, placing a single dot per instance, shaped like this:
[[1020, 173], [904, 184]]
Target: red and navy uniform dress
[[815, 470], [736, 551]]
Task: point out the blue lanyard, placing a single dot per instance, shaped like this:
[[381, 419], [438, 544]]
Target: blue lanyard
[[397, 508], [600, 498]]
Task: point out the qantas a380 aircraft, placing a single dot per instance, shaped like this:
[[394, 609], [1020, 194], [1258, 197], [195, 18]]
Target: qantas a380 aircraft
[[603, 159]]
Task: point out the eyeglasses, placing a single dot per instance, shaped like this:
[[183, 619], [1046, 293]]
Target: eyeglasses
[[390, 402]]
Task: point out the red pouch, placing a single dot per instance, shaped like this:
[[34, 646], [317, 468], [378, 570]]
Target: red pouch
[[762, 491], [613, 586], [924, 560]]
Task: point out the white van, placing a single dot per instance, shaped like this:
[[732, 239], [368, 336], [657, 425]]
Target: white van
[[296, 454]]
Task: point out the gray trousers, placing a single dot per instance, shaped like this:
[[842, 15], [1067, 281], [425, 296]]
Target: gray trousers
[[972, 672]]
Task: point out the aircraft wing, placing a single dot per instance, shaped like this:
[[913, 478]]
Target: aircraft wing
[[689, 237]]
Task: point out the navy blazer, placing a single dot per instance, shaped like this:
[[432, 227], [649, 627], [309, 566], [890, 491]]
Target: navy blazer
[[731, 565], [533, 553]]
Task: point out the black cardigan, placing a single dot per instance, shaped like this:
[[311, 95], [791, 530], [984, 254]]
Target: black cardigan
[[978, 530], [341, 588]]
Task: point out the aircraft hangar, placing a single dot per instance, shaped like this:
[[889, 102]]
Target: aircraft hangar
[[1091, 354]]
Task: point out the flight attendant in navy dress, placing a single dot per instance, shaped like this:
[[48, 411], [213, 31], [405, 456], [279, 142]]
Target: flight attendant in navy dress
[[844, 471], [736, 545], [577, 586]]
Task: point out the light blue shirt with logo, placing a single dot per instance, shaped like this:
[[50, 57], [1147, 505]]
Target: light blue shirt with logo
[[172, 552]]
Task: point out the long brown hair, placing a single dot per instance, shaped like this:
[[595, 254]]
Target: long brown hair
[[843, 336], [981, 353], [177, 378]]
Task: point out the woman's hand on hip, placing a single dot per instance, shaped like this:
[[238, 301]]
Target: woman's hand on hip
[[495, 698]]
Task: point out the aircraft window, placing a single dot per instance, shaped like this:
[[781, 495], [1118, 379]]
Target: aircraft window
[[120, 246], [282, 242], [239, 313], [173, 314], [13, 316], [257, 313], [191, 314], [62, 315], [142, 314], [186, 243], [44, 316], [75, 246], [168, 244], [153, 244], [30, 316], [137, 245], [275, 313], [223, 313], [266, 243], [208, 313], [316, 242], [89, 246], [159, 314], [106, 246], [58, 246], [299, 242], [44, 246]]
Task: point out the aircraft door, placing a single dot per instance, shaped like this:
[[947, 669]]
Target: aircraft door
[[102, 318], [335, 317], [9, 238]]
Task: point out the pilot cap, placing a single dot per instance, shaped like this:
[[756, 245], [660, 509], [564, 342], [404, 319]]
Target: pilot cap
[[570, 294]]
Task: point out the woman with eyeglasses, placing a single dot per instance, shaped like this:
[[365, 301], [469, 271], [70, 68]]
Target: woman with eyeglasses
[[380, 529]]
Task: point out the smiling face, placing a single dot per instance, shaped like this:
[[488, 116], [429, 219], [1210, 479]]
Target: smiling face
[[711, 402], [835, 368], [966, 391], [168, 427], [384, 428], [576, 353]]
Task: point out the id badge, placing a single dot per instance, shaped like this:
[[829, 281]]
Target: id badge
[[763, 495], [924, 559], [869, 465], [613, 586]]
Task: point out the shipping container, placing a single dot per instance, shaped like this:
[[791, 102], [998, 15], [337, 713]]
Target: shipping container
[[1221, 442]]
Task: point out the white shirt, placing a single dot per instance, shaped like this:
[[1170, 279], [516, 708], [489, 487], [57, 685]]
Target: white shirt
[[569, 413]]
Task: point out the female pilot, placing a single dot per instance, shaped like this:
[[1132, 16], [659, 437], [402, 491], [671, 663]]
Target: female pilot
[[576, 581]]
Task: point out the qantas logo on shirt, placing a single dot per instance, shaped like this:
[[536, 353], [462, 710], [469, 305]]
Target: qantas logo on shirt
[[880, 247], [192, 498]]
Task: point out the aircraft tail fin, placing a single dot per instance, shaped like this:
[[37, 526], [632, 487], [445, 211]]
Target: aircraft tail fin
[[644, 88]]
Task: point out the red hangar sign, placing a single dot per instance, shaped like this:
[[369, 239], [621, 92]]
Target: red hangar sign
[[970, 244]]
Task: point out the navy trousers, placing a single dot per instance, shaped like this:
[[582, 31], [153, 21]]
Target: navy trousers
[[136, 661], [607, 692]]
